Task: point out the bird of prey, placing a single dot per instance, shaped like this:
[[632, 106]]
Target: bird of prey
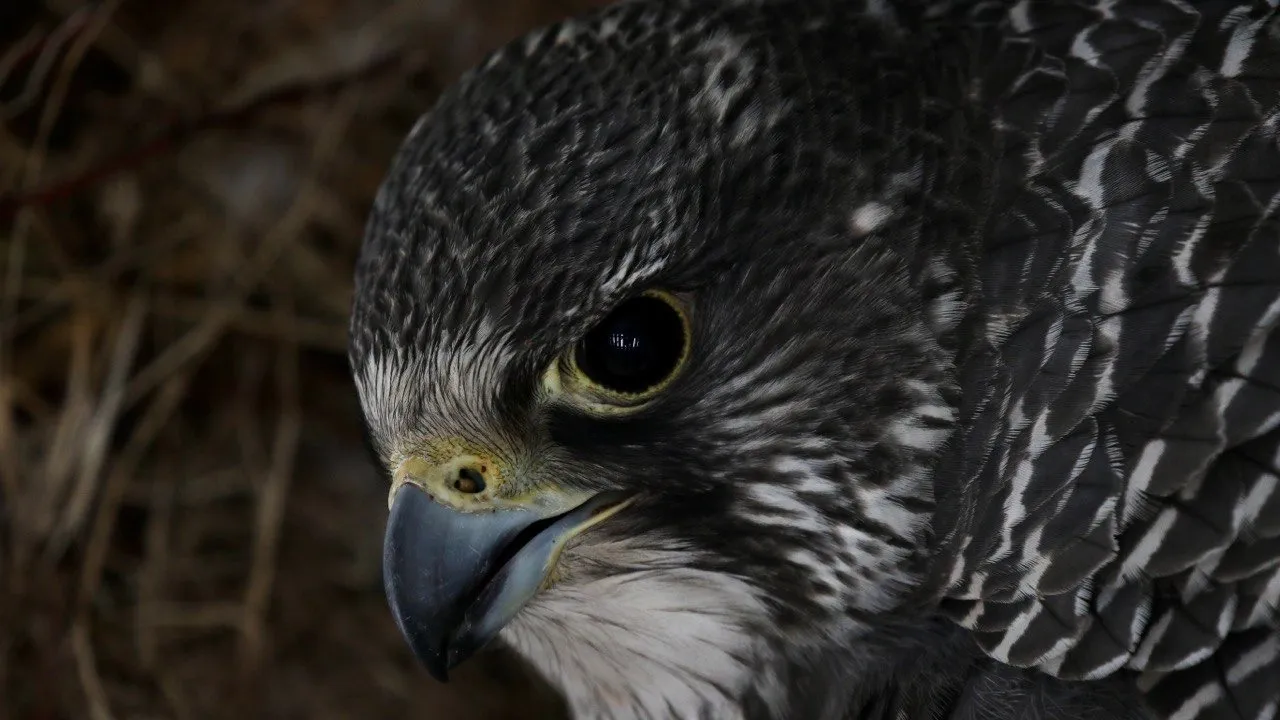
[[823, 359]]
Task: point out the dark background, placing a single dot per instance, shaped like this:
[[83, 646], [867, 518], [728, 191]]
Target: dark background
[[189, 523]]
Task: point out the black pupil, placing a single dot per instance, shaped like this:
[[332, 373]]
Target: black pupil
[[636, 347]]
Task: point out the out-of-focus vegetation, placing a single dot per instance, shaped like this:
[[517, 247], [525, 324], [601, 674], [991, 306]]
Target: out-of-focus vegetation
[[189, 524]]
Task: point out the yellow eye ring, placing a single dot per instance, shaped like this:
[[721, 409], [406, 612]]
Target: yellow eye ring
[[630, 356]]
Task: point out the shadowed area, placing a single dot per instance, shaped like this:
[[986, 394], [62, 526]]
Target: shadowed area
[[190, 526]]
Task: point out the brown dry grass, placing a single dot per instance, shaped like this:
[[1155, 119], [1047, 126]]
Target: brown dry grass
[[189, 526]]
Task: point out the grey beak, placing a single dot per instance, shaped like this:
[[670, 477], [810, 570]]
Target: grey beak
[[455, 579]]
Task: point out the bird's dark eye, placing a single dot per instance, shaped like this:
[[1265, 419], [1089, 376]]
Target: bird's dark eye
[[635, 348]]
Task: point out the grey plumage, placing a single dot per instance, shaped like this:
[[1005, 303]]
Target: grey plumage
[[984, 375]]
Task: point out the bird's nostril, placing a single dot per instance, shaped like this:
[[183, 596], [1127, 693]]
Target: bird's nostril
[[469, 481]]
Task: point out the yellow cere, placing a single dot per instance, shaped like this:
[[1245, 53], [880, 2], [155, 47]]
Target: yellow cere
[[452, 481]]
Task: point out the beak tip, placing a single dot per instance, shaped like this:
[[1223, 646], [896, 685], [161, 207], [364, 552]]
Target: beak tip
[[439, 663], [430, 654], [459, 652]]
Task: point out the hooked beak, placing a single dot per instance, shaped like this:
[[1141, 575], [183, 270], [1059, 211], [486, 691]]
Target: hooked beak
[[454, 579]]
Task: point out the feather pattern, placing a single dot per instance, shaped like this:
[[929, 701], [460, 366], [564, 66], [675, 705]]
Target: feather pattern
[[1124, 473], [981, 417]]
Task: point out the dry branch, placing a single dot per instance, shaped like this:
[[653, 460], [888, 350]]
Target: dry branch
[[185, 499], [179, 132]]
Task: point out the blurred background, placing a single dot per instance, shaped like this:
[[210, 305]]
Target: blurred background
[[189, 523]]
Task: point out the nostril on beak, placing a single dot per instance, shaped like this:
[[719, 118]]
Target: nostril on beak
[[469, 481]]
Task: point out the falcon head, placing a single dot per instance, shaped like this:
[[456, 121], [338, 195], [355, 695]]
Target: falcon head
[[641, 338]]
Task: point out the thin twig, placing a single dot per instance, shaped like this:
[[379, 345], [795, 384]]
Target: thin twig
[[205, 489], [171, 688], [149, 69], [195, 615], [306, 332], [251, 368], [58, 470], [201, 338], [271, 506], [15, 259], [87, 669], [10, 453], [179, 131], [156, 559], [26, 398], [45, 53], [46, 496], [25, 48], [101, 426], [288, 428], [148, 428], [51, 295], [57, 98]]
